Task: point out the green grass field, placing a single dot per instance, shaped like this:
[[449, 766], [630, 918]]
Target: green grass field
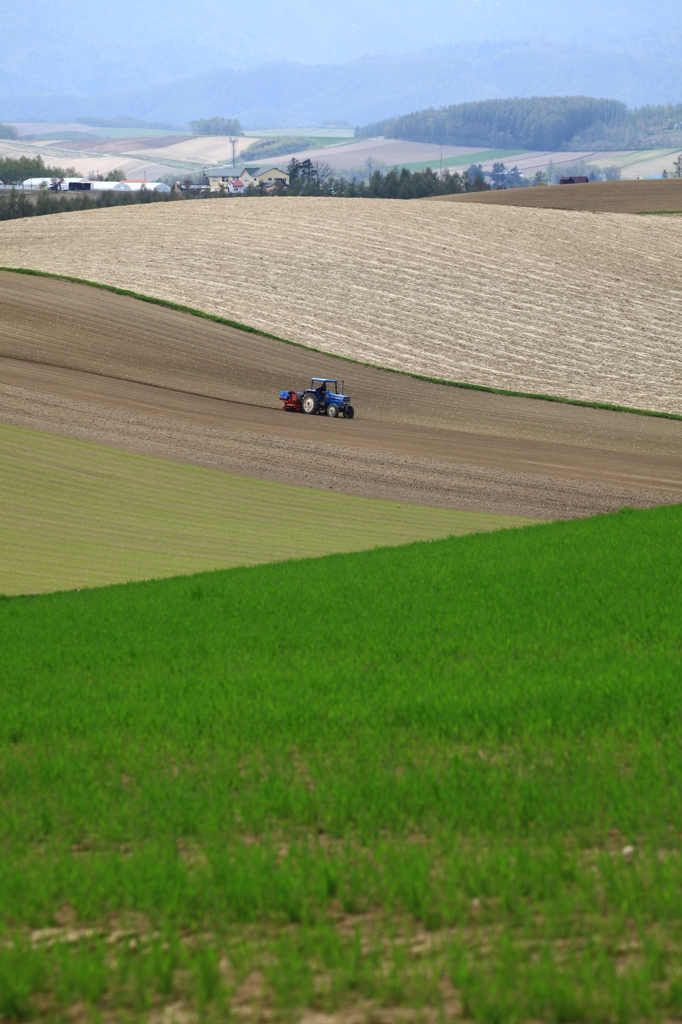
[[444, 778], [74, 514], [464, 161]]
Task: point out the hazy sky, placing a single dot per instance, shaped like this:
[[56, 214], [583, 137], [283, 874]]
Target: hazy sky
[[124, 44]]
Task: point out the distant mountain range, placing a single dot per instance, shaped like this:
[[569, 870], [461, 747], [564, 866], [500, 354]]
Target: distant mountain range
[[110, 48], [288, 93]]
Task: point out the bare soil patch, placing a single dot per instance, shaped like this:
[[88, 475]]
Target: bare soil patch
[[548, 301], [110, 146], [323, 462], [594, 196], [89, 364]]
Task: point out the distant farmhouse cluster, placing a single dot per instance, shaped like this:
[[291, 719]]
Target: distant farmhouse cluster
[[215, 178], [252, 176], [86, 185]]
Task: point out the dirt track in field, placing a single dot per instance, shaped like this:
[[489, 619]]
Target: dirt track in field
[[593, 196], [89, 364], [544, 301]]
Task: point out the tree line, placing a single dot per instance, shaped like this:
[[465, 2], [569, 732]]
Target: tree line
[[538, 122], [17, 169], [307, 178], [315, 179], [216, 126], [37, 204], [263, 149], [402, 184]]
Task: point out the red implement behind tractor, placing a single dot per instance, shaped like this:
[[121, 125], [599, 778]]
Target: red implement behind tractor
[[291, 400]]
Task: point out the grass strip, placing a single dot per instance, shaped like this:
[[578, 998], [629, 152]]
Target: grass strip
[[357, 362], [461, 160], [76, 514]]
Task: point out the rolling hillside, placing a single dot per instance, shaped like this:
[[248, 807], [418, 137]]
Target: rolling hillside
[[595, 196], [541, 301]]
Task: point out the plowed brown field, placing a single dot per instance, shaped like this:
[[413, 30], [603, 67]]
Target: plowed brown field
[[531, 300], [594, 196], [82, 362]]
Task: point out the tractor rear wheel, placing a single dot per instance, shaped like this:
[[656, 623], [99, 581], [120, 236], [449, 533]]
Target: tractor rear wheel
[[310, 404], [332, 411], [349, 412]]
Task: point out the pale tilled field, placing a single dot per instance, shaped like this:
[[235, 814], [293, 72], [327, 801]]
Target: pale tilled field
[[574, 304], [202, 149]]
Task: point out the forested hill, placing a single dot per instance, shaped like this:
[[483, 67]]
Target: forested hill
[[536, 123]]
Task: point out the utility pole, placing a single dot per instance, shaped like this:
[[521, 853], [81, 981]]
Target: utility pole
[[440, 139]]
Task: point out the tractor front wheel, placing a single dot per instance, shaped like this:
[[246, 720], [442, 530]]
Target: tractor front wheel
[[332, 411], [349, 412], [310, 404]]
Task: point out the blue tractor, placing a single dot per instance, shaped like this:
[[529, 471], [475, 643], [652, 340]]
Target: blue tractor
[[319, 398]]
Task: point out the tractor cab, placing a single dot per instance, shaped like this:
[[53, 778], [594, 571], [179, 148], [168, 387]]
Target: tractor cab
[[330, 401], [323, 397], [319, 384]]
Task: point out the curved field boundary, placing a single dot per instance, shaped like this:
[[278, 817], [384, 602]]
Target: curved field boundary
[[309, 348], [77, 514], [629, 196]]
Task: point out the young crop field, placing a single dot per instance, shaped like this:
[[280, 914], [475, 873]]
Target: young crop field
[[554, 302], [433, 782], [462, 161], [352, 154], [74, 514]]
